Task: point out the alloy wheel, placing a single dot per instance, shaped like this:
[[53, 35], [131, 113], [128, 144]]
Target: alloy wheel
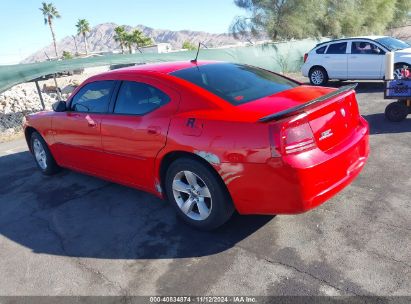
[[317, 77], [40, 154], [192, 195]]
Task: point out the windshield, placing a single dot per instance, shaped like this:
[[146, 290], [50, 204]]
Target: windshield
[[236, 83], [393, 44]]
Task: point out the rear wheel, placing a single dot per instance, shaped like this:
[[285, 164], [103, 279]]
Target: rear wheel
[[396, 111], [198, 195], [44, 160], [318, 76]]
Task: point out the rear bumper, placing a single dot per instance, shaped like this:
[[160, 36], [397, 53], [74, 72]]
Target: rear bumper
[[305, 69], [295, 184]]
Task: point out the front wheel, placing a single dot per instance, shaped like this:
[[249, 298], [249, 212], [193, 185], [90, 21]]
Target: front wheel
[[396, 111], [318, 76], [44, 160], [198, 195]]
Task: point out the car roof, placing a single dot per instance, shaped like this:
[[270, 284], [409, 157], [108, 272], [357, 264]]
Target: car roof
[[351, 38], [162, 67]]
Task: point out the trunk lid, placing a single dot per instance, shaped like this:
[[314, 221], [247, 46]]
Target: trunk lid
[[334, 120], [332, 114]]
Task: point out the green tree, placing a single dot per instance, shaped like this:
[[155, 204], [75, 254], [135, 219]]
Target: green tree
[[402, 13], [352, 17], [280, 19], [67, 55], [128, 42], [136, 38], [187, 45], [120, 36], [50, 13], [285, 19], [140, 40], [83, 27]]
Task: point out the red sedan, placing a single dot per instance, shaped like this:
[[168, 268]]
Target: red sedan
[[211, 137]]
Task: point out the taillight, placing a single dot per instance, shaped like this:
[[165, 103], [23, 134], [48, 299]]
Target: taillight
[[297, 136], [305, 57]]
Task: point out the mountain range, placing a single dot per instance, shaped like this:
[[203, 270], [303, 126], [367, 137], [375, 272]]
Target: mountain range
[[101, 39]]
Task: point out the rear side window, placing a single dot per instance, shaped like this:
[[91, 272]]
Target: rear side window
[[236, 83], [337, 48], [93, 97], [139, 98], [321, 50]]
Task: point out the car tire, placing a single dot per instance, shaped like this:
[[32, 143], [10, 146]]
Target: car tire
[[44, 160], [397, 70], [198, 194], [318, 76], [396, 111]]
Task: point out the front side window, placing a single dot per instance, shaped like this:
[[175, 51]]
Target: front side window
[[139, 98], [235, 83], [93, 97], [337, 48], [365, 47]]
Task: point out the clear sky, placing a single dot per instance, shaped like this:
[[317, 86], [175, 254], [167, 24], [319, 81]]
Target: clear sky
[[23, 31]]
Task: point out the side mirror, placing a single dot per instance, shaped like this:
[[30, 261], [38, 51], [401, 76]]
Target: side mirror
[[59, 106]]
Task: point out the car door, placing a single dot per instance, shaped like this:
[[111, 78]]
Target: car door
[[136, 130], [335, 60], [366, 60], [77, 137]]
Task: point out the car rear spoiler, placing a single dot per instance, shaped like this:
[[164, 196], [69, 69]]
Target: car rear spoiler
[[298, 109]]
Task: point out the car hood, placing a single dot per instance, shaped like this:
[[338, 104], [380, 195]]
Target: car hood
[[405, 53]]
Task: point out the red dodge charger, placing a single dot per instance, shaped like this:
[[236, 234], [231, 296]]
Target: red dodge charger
[[211, 137]]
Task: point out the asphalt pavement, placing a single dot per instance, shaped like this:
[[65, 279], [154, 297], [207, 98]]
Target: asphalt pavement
[[73, 234]]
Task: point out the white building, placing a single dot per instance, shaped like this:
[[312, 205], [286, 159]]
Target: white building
[[157, 48]]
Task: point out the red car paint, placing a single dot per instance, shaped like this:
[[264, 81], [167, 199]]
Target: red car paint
[[262, 174]]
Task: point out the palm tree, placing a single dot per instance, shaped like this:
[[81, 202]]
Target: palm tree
[[120, 36], [50, 12], [83, 27], [128, 42], [138, 38]]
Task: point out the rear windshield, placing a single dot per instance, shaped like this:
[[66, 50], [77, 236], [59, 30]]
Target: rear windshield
[[236, 83]]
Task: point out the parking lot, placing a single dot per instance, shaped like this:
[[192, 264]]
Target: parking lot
[[72, 234]]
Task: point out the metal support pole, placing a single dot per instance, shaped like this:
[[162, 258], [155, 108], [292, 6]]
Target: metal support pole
[[57, 88], [41, 96]]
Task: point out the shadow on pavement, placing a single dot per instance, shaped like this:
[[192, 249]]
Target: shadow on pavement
[[75, 215], [362, 87], [381, 125]]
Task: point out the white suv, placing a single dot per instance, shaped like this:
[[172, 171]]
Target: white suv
[[354, 58]]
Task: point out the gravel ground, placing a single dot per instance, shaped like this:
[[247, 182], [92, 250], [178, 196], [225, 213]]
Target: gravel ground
[[23, 99], [72, 234]]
